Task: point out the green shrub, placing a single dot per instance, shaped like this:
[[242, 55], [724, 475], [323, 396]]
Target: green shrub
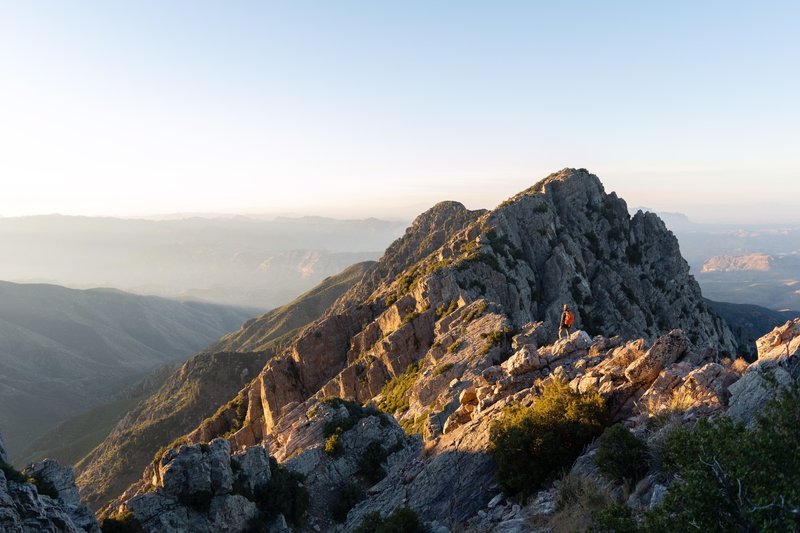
[[44, 487], [531, 443], [122, 523], [370, 465], [370, 523], [415, 425], [410, 316], [199, 501], [580, 498], [453, 348], [11, 473], [355, 412], [333, 446], [346, 498], [402, 520], [495, 338], [394, 395], [441, 369], [476, 312], [284, 494], [615, 518], [442, 311], [621, 456], [732, 478]]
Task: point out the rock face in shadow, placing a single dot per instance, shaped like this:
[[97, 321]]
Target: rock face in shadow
[[43, 497], [457, 321]]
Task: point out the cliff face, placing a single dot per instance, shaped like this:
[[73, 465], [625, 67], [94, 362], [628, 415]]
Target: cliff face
[[458, 320]]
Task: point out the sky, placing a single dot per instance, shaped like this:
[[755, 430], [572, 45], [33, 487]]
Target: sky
[[384, 108]]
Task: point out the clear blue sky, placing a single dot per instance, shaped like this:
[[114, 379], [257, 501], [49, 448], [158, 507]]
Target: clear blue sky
[[383, 108]]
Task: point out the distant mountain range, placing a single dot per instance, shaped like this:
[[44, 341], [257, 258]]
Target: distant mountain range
[[234, 260], [65, 351]]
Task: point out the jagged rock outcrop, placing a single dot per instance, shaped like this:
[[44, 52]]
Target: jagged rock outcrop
[[42, 498], [455, 323], [201, 488], [777, 366]]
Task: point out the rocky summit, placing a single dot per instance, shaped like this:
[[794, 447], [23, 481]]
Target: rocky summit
[[384, 405]]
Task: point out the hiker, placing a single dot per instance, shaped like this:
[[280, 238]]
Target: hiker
[[567, 319]]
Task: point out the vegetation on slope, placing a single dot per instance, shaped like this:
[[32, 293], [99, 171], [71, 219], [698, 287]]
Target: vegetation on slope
[[529, 444]]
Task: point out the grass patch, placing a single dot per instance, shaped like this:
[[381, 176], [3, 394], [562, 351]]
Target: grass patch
[[397, 390]]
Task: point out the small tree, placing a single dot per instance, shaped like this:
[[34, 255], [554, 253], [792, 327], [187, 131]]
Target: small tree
[[531, 443]]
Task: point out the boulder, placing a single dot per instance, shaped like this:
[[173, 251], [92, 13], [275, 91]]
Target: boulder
[[24, 509], [200, 469], [468, 396], [534, 334], [781, 343], [751, 393], [665, 351], [524, 360], [576, 342], [253, 467]]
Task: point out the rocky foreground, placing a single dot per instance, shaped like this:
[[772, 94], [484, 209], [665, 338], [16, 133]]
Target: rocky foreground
[[41, 498], [449, 479]]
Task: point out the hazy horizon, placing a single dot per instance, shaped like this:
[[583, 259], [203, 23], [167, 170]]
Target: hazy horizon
[[355, 109], [732, 214]]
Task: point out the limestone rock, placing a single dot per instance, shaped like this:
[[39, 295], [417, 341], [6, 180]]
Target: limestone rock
[[665, 351], [525, 360], [197, 470], [778, 365], [781, 344], [751, 393], [534, 334], [437, 316], [253, 467], [24, 509]]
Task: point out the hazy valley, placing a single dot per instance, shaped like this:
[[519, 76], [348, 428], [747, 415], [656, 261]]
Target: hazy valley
[[65, 351], [252, 262]]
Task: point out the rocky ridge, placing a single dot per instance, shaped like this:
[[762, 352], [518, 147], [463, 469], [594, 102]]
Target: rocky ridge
[[452, 326], [41, 498], [196, 390]]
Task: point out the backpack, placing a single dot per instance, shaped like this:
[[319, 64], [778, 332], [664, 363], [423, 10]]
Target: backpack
[[569, 318]]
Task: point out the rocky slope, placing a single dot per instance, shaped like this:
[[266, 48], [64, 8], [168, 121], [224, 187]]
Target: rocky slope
[[67, 351], [41, 498], [197, 389], [456, 321]]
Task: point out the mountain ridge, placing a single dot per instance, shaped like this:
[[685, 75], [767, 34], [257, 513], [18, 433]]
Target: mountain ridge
[[441, 309]]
